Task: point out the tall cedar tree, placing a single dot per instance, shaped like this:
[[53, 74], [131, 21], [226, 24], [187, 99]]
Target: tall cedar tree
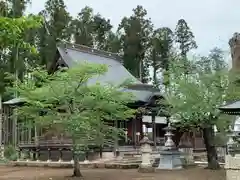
[[162, 42], [83, 27], [136, 34], [185, 39], [93, 30], [58, 24]]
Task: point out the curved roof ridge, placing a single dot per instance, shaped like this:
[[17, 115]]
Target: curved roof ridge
[[86, 49]]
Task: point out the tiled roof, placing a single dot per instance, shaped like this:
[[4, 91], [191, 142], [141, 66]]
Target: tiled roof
[[231, 106], [116, 74]]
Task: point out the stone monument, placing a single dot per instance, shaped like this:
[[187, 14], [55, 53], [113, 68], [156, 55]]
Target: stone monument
[[232, 159], [234, 44], [186, 148], [170, 157], [146, 150]]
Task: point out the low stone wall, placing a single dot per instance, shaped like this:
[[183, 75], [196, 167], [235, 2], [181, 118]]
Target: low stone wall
[[232, 166], [108, 165]]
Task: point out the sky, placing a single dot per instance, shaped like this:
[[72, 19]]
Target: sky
[[213, 22]]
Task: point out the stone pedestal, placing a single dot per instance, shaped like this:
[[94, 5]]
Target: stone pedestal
[[187, 155], [146, 150], [232, 166], [186, 149], [170, 160]]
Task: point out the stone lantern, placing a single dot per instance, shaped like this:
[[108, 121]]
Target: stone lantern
[[170, 157], [233, 147], [146, 150], [232, 158]]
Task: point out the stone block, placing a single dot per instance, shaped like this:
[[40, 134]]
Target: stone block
[[232, 166], [232, 174], [232, 162], [170, 160], [146, 169]]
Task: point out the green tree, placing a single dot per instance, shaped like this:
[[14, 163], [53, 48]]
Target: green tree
[[215, 61], [185, 39], [162, 42], [102, 29], [195, 100], [13, 33], [218, 59], [3, 8], [136, 33], [57, 23], [113, 43], [17, 7], [83, 27], [81, 108], [93, 30], [16, 56]]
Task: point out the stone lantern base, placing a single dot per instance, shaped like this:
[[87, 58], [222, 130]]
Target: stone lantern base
[[146, 169], [170, 160], [232, 167]]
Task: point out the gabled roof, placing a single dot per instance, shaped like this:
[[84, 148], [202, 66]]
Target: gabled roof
[[14, 101], [231, 106], [72, 54], [117, 73]]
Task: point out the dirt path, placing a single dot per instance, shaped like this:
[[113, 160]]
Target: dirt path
[[29, 173]]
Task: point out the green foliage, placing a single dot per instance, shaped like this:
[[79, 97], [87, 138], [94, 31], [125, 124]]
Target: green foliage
[[184, 37], [12, 30], [57, 26], [10, 153], [80, 107], [93, 30], [83, 27], [135, 39], [215, 61], [195, 97], [162, 42], [12, 37]]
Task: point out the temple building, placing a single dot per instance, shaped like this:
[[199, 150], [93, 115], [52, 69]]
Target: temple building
[[38, 139]]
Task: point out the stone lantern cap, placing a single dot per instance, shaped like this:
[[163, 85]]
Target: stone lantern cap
[[146, 140], [169, 128]]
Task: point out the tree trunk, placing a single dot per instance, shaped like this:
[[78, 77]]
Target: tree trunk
[[208, 135], [76, 167], [177, 136]]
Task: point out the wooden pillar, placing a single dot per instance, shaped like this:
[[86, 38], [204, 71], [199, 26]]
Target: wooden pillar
[[34, 151], [134, 131], [36, 135], [14, 130], [154, 127], [29, 132], [86, 156], [60, 155], [49, 155], [115, 138], [19, 153], [38, 154], [73, 153]]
